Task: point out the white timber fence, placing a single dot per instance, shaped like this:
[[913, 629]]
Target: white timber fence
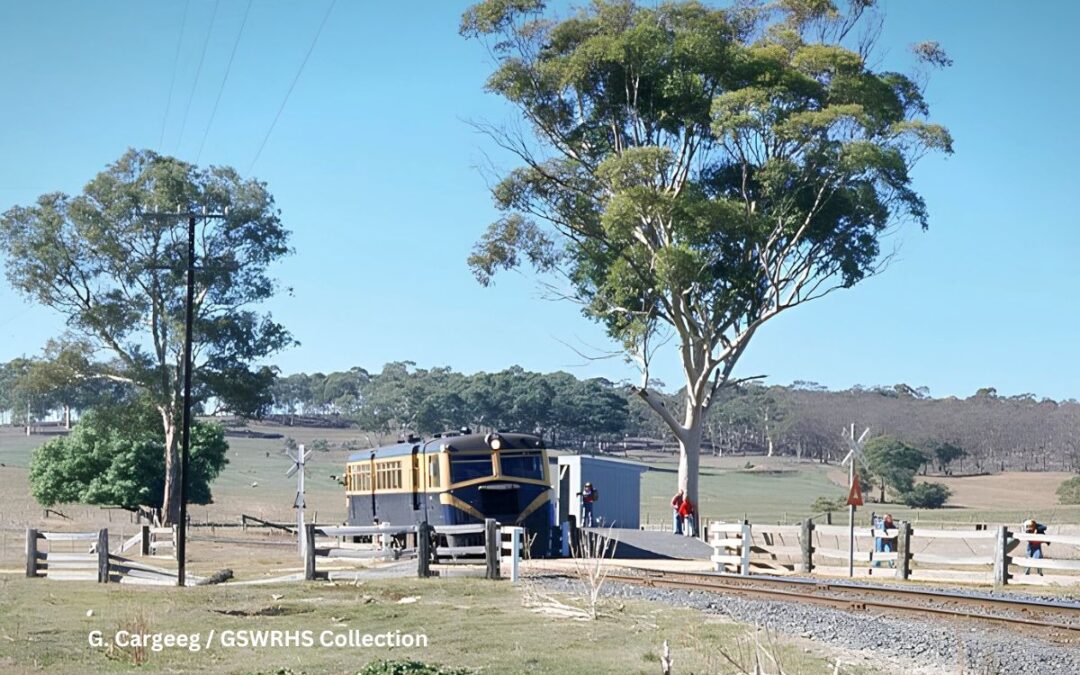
[[472, 544], [984, 556]]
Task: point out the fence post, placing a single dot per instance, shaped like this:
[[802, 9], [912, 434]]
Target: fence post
[[309, 552], [808, 545], [492, 547], [747, 544], [515, 552], [31, 552], [903, 551], [144, 545], [103, 556], [1001, 557], [423, 550]]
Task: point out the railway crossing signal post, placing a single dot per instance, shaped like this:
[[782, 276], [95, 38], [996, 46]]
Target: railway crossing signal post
[[855, 449], [299, 459]]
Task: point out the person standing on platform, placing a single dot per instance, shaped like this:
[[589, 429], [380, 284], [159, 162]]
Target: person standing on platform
[[676, 517], [588, 495], [686, 512]]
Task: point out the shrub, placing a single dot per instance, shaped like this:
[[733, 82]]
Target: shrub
[[409, 668], [927, 496], [1069, 491], [826, 505], [320, 445]]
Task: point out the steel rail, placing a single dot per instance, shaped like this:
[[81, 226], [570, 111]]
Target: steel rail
[[797, 592]]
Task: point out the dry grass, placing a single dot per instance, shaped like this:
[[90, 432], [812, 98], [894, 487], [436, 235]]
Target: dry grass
[[469, 623]]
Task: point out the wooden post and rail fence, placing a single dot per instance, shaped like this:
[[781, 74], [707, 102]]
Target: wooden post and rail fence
[[921, 553], [421, 541]]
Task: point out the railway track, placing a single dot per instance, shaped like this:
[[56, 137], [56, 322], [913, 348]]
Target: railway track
[[1058, 622]]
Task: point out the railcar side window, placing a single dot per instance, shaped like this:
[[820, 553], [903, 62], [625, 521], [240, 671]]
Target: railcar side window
[[359, 478], [434, 479], [468, 467], [388, 476], [523, 465]]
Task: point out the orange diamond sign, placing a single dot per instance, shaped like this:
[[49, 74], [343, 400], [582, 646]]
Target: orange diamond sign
[[854, 497]]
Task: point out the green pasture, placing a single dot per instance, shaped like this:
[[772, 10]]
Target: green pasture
[[44, 627], [777, 489]]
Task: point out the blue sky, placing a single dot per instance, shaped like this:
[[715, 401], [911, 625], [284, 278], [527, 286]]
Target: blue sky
[[374, 167]]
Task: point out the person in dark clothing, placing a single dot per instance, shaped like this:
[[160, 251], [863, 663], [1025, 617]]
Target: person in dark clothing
[[1034, 546], [588, 495]]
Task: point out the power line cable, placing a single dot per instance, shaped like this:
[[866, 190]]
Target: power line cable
[[175, 65], [225, 79], [296, 79], [198, 72]]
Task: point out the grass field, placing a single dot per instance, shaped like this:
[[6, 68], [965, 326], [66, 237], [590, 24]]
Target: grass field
[[44, 627], [760, 489]]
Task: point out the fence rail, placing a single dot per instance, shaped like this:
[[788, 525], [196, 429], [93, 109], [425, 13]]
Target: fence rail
[[977, 555], [397, 541]]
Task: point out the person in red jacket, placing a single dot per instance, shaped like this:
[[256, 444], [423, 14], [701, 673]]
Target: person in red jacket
[[686, 512], [676, 517]]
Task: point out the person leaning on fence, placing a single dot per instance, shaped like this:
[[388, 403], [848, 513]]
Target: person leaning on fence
[[885, 544], [588, 495], [686, 513], [676, 517], [1034, 547]]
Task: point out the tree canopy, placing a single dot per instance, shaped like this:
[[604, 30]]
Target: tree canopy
[[116, 456], [695, 171], [116, 271], [894, 463]]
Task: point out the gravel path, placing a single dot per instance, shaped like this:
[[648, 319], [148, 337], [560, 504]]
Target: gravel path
[[902, 645]]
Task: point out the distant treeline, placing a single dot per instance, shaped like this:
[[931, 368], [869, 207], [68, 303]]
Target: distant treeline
[[985, 432], [803, 419]]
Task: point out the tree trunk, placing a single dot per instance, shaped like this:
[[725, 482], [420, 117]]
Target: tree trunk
[[67, 417], [690, 459], [170, 507]]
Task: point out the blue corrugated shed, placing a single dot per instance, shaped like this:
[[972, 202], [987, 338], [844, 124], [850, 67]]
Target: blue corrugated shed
[[618, 485]]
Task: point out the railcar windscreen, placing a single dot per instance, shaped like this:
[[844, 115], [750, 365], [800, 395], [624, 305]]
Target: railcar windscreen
[[465, 468], [523, 465]]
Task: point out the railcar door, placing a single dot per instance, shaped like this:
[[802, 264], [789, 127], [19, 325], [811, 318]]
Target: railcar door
[[416, 478]]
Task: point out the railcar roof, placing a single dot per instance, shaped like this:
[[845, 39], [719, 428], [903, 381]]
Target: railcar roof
[[463, 442]]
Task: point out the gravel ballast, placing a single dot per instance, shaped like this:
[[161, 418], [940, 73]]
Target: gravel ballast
[[898, 645]]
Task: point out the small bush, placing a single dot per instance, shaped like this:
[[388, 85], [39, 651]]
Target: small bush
[[320, 445], [749, 465], [826, 505], [927, 496], [1069, 491], [409, 668]]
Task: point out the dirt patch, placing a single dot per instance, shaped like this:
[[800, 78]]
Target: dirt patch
[[1013, 490], [1010, 491], [273, 610]]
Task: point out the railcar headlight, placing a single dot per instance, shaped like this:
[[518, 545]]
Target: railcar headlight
[[494, 441]]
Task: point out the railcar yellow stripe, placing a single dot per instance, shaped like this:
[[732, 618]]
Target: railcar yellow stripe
[[450, 500], [540, 500]]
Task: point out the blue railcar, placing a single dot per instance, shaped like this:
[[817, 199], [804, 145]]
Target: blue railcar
[[455, 479]]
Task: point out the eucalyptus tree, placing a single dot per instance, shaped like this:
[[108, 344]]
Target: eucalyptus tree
[[118, 276], [694, 172]]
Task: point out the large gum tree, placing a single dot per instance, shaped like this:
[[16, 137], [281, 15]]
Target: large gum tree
[[118, 276], [691, 172]]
